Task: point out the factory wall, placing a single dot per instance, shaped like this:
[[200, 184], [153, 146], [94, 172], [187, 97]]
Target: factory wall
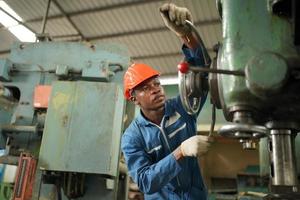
[[226, 159]]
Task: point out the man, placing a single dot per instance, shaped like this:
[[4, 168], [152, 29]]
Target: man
[[161, 146]]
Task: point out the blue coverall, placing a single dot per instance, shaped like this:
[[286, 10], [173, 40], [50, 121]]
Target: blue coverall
[[148, 149]]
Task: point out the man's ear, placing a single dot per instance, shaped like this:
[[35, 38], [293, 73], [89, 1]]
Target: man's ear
[[133, 100]]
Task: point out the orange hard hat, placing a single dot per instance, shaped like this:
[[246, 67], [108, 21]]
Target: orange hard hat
[[136, 74]]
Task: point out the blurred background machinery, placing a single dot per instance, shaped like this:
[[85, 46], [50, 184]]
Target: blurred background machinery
[[255, 80], [61, 117]]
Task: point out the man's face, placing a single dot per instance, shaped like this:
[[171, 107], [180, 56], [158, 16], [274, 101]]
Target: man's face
[[149, 95]]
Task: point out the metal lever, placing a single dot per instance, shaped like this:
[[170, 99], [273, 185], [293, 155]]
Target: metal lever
[[191, 84], [206, 58]]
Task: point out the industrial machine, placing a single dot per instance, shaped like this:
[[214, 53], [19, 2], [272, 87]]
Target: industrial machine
[[255, 80], [56, 125]]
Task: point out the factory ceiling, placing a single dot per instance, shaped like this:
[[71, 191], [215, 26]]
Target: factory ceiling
[[134, 23]]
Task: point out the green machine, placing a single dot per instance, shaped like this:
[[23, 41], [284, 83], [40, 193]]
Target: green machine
[[255, 80], [61, 116]]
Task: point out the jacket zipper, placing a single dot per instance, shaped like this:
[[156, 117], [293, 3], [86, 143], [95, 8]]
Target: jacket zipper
[[166, 140]]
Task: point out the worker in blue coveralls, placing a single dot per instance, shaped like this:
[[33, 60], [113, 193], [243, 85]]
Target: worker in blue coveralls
[[160, 146]]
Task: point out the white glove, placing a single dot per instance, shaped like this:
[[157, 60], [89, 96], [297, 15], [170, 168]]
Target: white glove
[[174, 18], [195, 146]]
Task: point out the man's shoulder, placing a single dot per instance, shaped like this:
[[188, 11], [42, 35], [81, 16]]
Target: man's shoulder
[[173, 102], [133, 129], [174, 105], [132, 134]]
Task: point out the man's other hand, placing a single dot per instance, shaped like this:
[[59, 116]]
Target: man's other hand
[[174, 18], [195, 146]]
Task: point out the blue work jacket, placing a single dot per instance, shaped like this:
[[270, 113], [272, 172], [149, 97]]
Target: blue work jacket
[[148, 149]]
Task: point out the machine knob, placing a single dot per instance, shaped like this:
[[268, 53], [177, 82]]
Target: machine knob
[[266, 74], [183, 67]]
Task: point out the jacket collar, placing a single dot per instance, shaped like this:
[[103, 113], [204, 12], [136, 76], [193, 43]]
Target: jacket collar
[[169, 111]]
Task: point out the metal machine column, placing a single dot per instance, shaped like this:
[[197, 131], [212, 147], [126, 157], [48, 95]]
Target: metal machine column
[[283, 163]]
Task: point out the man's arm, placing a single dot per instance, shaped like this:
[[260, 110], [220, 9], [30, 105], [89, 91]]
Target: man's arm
[[190, 40], [194, 50], [150, 177]]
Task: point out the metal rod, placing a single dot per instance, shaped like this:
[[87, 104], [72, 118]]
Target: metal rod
[[65, 36], [68, 18], [20, 182], [217, 71], [45, 17], [162, 55], [206, 58], [213, 120], [18, 128]]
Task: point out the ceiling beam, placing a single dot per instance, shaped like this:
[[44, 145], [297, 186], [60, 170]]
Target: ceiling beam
[[136, 32], [149, 30], [64, 36], [45, 19], [162, 55], [19, 22], [98, 9], [67, 16]]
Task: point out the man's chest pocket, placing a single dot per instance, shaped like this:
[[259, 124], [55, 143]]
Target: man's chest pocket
[[156, 152], [176, 134]]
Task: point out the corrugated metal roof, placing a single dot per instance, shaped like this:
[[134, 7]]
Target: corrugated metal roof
[[166, 65], [125, 19], [31, 9], [54, 27], [73, 6], [135, 23], [6, 39], [150, 43]]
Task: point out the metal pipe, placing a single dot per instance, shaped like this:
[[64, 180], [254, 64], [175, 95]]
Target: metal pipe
[[45, 17], [19, 128], [213, 120], [217, 71], [282, 154]]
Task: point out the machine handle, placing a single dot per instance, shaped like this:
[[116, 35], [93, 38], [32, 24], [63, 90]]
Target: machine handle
[[206, 58]]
